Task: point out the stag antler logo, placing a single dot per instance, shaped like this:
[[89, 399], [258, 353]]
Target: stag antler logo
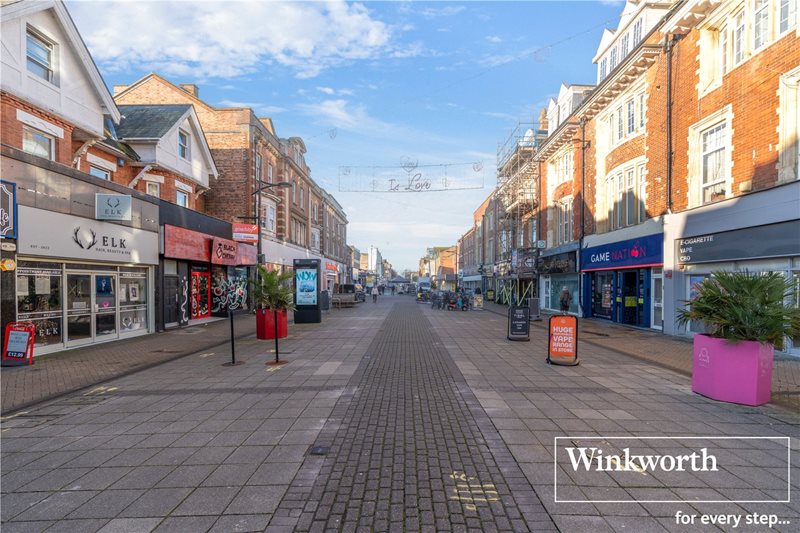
[[113, 203], [79, 241]]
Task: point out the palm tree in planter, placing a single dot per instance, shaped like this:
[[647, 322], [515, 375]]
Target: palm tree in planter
[[273, 298], [746, 317]]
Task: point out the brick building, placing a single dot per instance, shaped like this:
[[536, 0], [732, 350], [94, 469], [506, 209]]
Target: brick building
[[80, 274], [249, 157]]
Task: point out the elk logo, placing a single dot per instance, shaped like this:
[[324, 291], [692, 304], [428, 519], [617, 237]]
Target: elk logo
[[76, 236]]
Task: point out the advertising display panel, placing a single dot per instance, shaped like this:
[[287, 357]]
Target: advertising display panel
[[307, 291]]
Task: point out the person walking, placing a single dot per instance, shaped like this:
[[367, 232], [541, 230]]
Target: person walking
[[566, 299], [375, 294]]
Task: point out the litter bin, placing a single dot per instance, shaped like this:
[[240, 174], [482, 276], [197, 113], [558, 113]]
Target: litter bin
[[325, 300]]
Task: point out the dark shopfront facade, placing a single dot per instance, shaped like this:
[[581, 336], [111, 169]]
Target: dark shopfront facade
[[623, 281], [203, 272]]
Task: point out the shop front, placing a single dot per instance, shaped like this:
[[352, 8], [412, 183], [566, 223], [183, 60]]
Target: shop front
[[767, 248], [623, 281], [204, 275], [557, 271], [82, 281]]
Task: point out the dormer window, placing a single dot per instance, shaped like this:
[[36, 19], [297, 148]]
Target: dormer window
[[613, 57], [183, 145], [603, 68], [40, 56], [625, 44], [637, 32]]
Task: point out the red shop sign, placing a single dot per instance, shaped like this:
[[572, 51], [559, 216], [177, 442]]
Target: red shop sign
[[330, 266], [18, 345], [181, 243]]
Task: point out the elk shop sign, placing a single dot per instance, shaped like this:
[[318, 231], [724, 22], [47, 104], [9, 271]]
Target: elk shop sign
[[45, 233], [641, 252], [112, 206]]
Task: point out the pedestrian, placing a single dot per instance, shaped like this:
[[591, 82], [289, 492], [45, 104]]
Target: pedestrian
[[566, 299], [375, 294], [392, 290]]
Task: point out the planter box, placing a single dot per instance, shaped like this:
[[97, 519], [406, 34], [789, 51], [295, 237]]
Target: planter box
[[738, 372], [265, 324]]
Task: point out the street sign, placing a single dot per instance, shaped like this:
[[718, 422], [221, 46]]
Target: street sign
[[562, 346], [245, 232], [519, 324]]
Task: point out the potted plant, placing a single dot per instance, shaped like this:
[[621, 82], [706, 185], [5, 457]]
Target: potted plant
[[273, 299], [745, 317]]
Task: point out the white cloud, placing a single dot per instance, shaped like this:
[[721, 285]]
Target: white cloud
[[494, 39], [339, 113], [258, 107], [330, 91], [504, 116], [228, 39], [326, 90]]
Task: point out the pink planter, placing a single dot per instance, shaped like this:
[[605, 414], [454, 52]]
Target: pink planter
[[732, 372]]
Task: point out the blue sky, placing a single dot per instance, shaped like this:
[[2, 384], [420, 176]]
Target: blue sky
[[367, 84]]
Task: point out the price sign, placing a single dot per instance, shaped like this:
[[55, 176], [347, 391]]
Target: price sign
[[18, 345]]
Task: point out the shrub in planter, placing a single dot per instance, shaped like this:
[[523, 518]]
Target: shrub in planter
[[273, 298], [746, 317]]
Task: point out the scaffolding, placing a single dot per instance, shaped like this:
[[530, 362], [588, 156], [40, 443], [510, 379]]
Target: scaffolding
[[517, 199]]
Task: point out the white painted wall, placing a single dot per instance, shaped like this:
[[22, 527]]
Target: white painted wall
[[72, 96], [167, 153]]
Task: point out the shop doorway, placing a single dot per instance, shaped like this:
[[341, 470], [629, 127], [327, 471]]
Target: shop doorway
[[201, 295], [631, 297], [171, 300], [657, 298], [92, 308]]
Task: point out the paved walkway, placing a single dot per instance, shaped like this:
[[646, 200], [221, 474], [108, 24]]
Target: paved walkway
[[432, 420], [671, 352], [54, 374]]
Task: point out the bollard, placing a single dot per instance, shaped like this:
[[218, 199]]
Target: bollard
[[233, 344]]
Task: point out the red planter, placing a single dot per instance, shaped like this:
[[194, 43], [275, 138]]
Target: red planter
[[265, 324]]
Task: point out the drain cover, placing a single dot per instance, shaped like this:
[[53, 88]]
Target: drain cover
[[320, 450]]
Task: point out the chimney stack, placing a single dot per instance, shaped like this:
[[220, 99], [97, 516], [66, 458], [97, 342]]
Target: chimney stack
[[190, 88]]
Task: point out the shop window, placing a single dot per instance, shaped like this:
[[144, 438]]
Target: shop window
[[133, 301], [39, 300]]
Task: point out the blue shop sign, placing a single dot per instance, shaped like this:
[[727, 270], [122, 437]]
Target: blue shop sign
[[641, 252]]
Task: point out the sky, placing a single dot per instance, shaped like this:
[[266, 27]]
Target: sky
[[377, 90]]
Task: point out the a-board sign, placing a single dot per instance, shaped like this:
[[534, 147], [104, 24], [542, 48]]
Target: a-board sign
[[519, 324], [562, 346], [18, 345]]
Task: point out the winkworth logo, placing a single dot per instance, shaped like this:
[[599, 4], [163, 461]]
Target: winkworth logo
[[594, 459], [651, 469]]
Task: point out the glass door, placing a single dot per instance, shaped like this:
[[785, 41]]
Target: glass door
[[92, 308], [657, 299], [201, 295], [79, 309], [105, 306]]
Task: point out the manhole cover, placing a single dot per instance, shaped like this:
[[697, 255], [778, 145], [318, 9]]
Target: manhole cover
[[320, 450]]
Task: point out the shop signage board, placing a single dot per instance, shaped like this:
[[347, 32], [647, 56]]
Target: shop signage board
[[246, 254], [46, 233], [562, 263], [519, 326], [8, 210], [245, 232], [182, 243], [18, 345], [562, 345], [112, 206], [772, 240], [223, 252], [640, 252], [306, 291]]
